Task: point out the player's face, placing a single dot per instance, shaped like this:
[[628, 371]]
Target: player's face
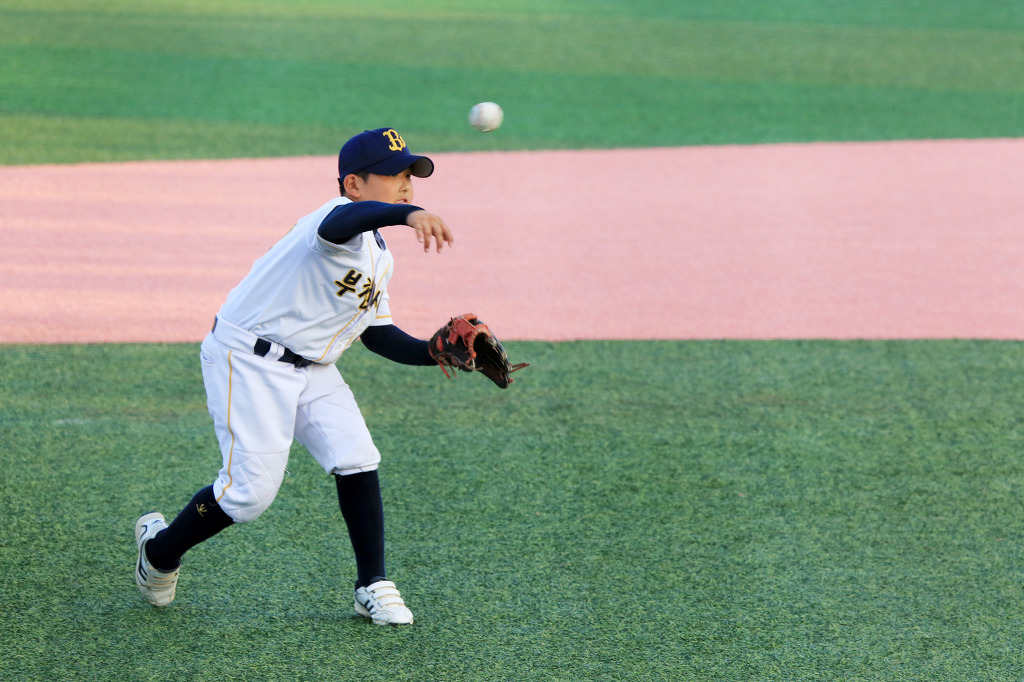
[[390, 189]]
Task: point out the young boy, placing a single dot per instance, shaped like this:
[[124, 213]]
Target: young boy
[[269, 372]]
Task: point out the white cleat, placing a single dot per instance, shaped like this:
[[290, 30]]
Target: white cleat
[[157, 586], [382, 603]]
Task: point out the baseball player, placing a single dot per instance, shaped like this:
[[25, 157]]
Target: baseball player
[[270, 376]]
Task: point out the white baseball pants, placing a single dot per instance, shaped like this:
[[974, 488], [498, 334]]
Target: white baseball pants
[[260, 405]]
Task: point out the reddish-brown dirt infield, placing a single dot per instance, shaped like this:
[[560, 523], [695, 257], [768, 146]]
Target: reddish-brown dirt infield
[[854, 240]]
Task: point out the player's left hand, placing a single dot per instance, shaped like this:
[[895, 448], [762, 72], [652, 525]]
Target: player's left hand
[[430, 228], [469, 344]]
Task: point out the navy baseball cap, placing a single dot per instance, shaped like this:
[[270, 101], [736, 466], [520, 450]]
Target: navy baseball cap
[[382, 152]]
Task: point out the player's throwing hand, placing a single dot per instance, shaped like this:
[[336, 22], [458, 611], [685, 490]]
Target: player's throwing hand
[[430, 227]]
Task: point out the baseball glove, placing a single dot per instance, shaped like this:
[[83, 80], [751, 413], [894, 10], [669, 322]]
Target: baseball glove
[[468, 344]]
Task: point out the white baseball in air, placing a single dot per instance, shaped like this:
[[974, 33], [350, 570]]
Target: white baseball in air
[[486, 116]]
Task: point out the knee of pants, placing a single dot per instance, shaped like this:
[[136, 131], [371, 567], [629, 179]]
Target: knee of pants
[[244, 494], [341, 452], [348, 471]]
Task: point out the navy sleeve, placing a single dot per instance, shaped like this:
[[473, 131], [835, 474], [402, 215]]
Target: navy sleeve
[[392, 343], [348, 220]]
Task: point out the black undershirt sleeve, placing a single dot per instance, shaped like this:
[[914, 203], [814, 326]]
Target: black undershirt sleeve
[[348, 220], [344, 223], [392, 343]]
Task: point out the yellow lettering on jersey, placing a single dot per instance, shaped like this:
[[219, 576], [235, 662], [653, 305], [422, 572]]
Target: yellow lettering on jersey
[[397, 143], [369, 295], [348, 282]]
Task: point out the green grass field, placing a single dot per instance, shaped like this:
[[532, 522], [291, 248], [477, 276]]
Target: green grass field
[[765, 510], [717, 510], [99, 80]]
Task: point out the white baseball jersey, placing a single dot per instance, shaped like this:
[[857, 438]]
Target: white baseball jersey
[[314, 298], [311, 296]]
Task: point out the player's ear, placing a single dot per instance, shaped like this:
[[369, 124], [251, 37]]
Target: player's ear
[[351, 186]]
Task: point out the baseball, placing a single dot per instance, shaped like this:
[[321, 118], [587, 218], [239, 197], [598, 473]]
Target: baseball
[[486, 116]]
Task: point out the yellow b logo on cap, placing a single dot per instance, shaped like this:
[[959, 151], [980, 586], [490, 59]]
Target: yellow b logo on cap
[[397, 143]]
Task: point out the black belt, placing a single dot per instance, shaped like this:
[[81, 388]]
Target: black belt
[[262, 347]]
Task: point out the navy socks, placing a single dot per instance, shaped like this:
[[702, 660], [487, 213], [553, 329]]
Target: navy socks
[[200, 520], [361, 505]]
